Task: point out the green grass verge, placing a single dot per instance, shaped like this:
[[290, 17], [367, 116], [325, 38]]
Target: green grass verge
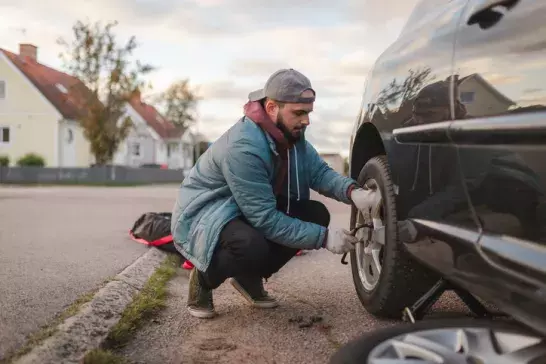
[[146, 304], [51, 328], [99, 356]]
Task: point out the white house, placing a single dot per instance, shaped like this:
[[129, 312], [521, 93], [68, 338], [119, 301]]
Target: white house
[[154, 139], [481, 98], [39, 109]]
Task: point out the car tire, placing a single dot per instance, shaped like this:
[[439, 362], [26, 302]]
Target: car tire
[[402, 280], [369, 346]]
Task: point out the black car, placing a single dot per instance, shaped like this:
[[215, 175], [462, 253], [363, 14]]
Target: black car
[[452, 131]]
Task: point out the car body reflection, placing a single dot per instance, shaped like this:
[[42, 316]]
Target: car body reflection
[[458, 105]]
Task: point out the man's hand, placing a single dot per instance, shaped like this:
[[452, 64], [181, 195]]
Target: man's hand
[[366, 199], [340, 241]]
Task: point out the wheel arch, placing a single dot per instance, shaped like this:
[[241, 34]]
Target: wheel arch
[[366, 145]]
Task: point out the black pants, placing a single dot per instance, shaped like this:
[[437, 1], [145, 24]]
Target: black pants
[[243, 250]]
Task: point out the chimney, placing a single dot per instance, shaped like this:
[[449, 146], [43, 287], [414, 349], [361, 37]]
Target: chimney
[[28, 51]]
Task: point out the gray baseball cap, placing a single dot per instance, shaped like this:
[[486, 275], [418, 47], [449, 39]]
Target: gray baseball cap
[[285, 85]]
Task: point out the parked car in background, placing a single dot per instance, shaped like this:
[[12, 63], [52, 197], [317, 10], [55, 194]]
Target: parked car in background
[[452, 131], [154, 165]]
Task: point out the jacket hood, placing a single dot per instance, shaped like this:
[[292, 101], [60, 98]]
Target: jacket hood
[[255, 111]]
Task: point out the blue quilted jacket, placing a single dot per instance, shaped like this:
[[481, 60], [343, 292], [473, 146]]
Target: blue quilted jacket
[[234, 177]]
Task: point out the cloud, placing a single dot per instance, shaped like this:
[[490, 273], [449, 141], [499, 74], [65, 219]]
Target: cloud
[[227, 89], [210, 18], [498, 79], [531, 90], [378, 12], [327, 138], [214, 126], [357, 63], [331, 125], [329, 57], [536, 97], [339, 110], [229, 48], [255, 67]]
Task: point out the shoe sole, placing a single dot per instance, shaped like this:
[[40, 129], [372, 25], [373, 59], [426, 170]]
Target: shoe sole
[[237, 286], [201, 314]]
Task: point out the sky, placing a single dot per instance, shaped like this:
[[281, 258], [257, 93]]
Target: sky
[[228, 48]]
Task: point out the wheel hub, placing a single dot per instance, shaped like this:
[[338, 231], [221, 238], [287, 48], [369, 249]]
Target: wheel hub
[[369, 253], [459, 346]]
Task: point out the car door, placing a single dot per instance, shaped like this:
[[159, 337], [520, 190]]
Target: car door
[[500, 132], [412, 84]]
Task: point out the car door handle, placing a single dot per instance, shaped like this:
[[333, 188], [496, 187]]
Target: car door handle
[[485, 15]]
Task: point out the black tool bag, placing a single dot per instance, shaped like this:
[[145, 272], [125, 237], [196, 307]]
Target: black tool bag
[[154, 229]]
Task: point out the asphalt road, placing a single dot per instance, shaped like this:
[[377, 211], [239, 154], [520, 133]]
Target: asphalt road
[[57, 243], [315, 284]]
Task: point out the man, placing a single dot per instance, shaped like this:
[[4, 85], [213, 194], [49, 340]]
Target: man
[[244, 211]]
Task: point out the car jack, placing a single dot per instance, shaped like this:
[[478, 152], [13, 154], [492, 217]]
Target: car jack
[[419, 309]]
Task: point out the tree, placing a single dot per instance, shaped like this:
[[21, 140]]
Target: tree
[[398, 93], [108, 81], [395, 101], [179, 103]]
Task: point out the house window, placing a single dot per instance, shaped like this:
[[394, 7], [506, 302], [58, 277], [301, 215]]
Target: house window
[[188, 156], [467, 97], [2, 90], [172, 148], [4, 135], [69, 136], [135, 149]]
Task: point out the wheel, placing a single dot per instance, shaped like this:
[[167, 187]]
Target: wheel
[[446, 341], [385, 276]]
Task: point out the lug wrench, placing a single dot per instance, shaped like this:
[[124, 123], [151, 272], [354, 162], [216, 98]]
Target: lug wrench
[[353, 233]]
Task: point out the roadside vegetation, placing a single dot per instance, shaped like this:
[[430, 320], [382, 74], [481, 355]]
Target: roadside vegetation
[[145, 306]]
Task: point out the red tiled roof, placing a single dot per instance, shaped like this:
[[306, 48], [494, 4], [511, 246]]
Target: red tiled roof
[[71, 104], [165, 128]]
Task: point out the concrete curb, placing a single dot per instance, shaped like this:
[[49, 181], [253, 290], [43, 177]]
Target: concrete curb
[[90, 326]]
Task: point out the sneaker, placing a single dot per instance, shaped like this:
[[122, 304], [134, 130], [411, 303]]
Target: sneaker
[[253, 291], [200, 302]]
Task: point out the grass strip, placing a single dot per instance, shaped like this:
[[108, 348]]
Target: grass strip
[[99, 356], [147, 303]]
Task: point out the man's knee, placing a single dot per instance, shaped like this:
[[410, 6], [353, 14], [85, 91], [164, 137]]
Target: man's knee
[[315, 211], [242, 250], [254, 249], [245, 245]]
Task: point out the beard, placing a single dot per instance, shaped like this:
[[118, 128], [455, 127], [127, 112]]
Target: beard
[[287, 134]]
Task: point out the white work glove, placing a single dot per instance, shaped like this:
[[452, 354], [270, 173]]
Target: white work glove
[[367, 198], [340, 241]]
